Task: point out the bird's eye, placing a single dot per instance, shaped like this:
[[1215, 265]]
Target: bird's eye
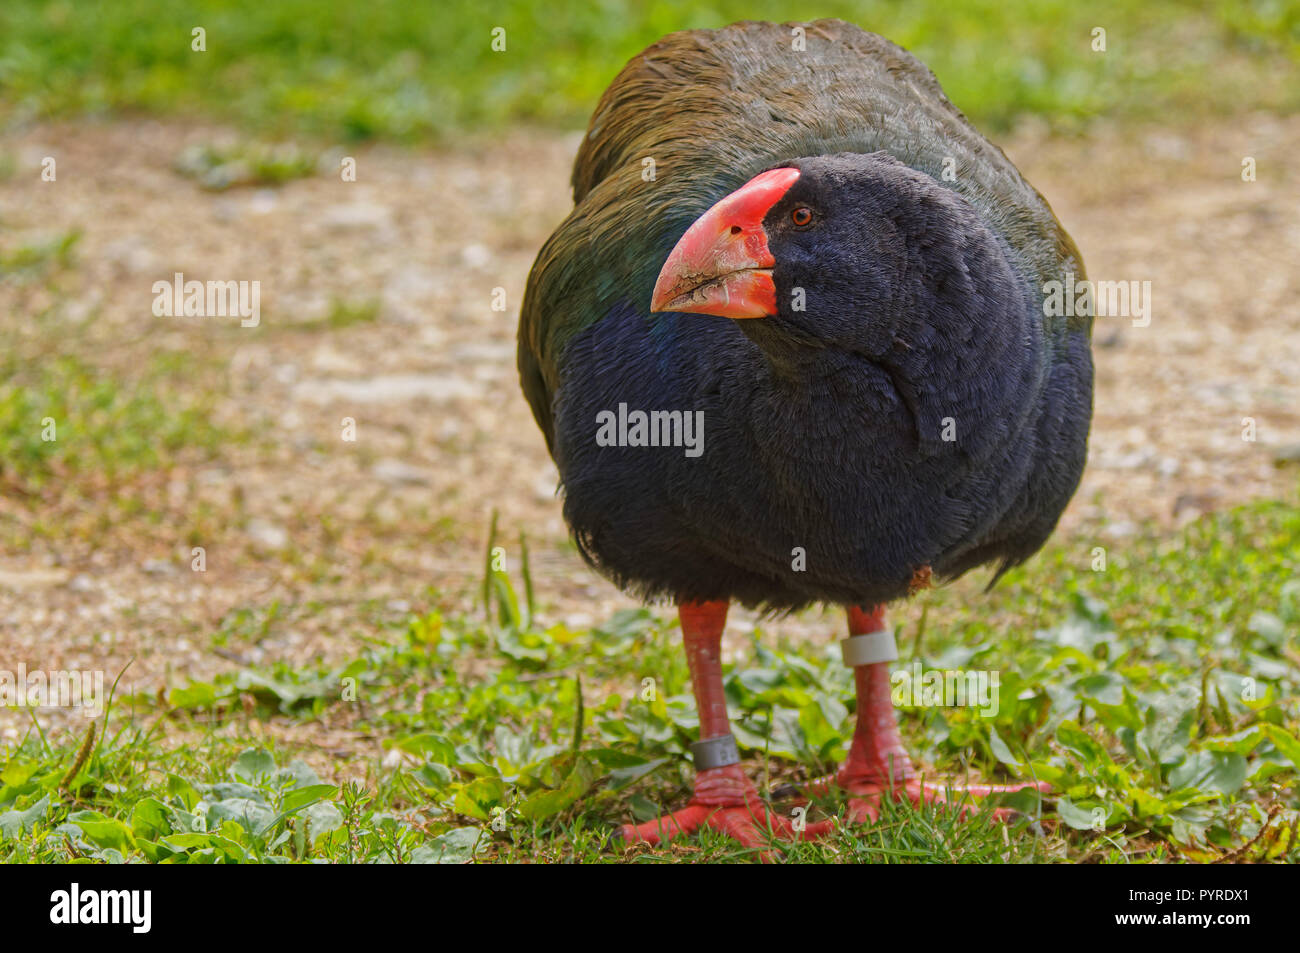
[[801, 216]]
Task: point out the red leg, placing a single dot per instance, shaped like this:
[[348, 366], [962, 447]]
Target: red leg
[[877, 765], [725, 799]]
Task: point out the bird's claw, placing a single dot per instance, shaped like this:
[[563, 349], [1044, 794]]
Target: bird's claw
[[727, 801], [865, 797], [867, 794]]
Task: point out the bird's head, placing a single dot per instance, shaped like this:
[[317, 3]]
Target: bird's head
[[834, 251]]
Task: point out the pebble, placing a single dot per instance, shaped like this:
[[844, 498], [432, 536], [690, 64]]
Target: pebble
[[267, 534], [399, 473]]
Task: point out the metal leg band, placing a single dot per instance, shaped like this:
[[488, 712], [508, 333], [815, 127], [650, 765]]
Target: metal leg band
[[715, 752]]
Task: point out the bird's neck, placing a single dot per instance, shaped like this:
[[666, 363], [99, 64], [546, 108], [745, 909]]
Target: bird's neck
[[790, 358]]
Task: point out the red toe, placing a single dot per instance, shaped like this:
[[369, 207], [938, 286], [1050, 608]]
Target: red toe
[[726, 800]]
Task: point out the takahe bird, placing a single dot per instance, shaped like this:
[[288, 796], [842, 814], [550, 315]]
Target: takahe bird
[[796, 243]]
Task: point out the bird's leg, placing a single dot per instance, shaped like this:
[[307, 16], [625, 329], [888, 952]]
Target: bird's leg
[[725, 798], [877, 755], [877, 764]]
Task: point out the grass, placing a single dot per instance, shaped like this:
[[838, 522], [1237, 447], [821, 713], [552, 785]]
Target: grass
[[23, 261], [87, 452], [61, 419], [417, 71], [1157, 696], [220, 167], [343, 315]]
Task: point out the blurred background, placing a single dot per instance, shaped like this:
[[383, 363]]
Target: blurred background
[[223, 163], [421, 71]]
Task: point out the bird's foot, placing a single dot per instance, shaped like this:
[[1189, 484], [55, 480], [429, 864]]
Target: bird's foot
[[727, 801], [866, 797], [868, 790]]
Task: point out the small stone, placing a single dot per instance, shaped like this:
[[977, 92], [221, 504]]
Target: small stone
[[357, 215], [476, 256], [267, 534], [399, 473], [263, 201]]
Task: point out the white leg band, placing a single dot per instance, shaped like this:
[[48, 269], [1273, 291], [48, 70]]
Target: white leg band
[[869, 648]]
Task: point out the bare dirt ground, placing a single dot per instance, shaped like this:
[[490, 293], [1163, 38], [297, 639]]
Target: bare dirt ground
[[314, 543]]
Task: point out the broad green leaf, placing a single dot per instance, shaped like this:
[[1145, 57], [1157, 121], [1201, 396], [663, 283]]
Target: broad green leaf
[[1000, 749], [456, 846], [643, 809], [613, 758], [15, 774], [253, 767], [513, 749], [1082, 817], [186, 843], [1285, 742], [299, 798], [1071, 736], [248, 813], [150, 818], [325, 817], [1268, 627], [1224, 772], [477, 798], [434, 747], [548, 803], [431, 774], [1241, 742], [14, 823], [523, 647], [620, 778], [196, 695], [103, 831], [298, 772]]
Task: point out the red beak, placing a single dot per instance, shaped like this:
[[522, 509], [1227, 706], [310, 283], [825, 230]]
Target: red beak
[[722, 264]]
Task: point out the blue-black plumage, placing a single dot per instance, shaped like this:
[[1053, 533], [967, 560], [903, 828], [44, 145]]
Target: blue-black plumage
[[906, 406]]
